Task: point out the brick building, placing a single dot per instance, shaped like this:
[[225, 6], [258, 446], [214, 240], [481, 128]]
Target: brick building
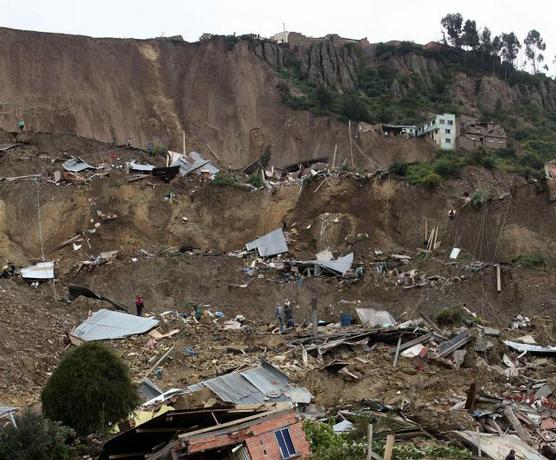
[[226, 434], [473, 134]]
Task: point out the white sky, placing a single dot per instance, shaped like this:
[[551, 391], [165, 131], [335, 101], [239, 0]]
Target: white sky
[[416, 20]]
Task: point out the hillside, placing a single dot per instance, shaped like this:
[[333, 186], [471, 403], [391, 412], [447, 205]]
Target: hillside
[[243, 94]]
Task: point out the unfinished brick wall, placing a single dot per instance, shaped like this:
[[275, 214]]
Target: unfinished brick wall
[[259, 438]]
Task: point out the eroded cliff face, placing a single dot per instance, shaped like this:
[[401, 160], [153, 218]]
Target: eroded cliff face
[[222, 93], [151, 90]]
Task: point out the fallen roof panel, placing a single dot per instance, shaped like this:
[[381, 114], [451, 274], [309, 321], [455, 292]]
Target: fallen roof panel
[[40, 271], [76, 165], [497, 447], [271, 244], [257, 385], [521, 347], [108, 325], [341, 265], [134, 166]]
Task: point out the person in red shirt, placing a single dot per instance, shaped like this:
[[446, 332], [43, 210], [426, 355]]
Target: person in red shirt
[[139, 305]]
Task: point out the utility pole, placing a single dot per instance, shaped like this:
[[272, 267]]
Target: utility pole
[[183, 132], [350, 143]]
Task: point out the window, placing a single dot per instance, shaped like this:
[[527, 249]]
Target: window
[[448, 140], [447, 130], [450, 122], [285, 443], [442, 121]]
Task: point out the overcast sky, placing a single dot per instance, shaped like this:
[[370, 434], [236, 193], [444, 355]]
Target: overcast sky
[[416, 20]]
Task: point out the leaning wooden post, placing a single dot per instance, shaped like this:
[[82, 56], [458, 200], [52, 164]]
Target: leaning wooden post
[[314, 317], [369, 442], [498, 278], [389, 447]]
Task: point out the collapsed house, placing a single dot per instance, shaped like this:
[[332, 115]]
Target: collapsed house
[[213, 434], [193, 162], [489, 135], [261, 386]]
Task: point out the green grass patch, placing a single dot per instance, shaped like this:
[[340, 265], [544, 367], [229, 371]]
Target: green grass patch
[[453, 316], [223, 179], [530, 261]]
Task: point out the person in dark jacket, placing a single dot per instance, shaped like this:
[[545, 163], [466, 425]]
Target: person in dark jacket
[[511, 455], [139, 305], [288, 312]]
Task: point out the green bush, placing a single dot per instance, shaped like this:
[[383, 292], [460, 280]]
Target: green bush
[[353, 108], [224, 179], [479, 198], [352, 445], [90, 389], [255, 180], [398, 168], [530, 260], [423, 175], [447, 166], [35, 438], [451, 316]]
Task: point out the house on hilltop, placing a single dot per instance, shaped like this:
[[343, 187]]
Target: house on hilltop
[[473, 134]]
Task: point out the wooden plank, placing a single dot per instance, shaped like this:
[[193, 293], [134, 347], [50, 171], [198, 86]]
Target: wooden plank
[[397, 354], [498, 278], [516, 424], [314, 317], [389, 447]]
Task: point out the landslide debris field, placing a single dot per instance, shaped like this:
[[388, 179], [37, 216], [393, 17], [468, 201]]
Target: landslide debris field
[[182, 243]]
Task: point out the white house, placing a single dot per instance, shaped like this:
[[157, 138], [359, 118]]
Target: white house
[[280, 37], [441, 129]]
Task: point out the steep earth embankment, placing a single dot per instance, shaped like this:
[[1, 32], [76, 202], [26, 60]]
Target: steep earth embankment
[[151, 90]]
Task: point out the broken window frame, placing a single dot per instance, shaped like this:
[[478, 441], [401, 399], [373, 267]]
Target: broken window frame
[[285, 443]]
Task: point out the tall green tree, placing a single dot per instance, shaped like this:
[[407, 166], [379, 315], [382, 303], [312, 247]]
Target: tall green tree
[[90, 389], [470, 35], [452, 24], [510, 47], [534, 46]]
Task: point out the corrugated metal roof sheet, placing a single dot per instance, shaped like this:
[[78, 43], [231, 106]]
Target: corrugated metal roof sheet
[[107, 325], [257, 385], [40, 271], [340, 265], [192, 162], [271, 244], [75, 165]]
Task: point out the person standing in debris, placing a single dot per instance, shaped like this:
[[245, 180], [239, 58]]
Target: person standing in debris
[[139, 305], [359, 271], [511, 455], [21, 125], [279, 313], [288, 311], [129, 141]]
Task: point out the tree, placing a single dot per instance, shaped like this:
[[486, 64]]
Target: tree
[[35, 438], [90, 388], [470, 36], [510, 47], [534, 44], [353, 108], [488, 46], [452, 24]]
